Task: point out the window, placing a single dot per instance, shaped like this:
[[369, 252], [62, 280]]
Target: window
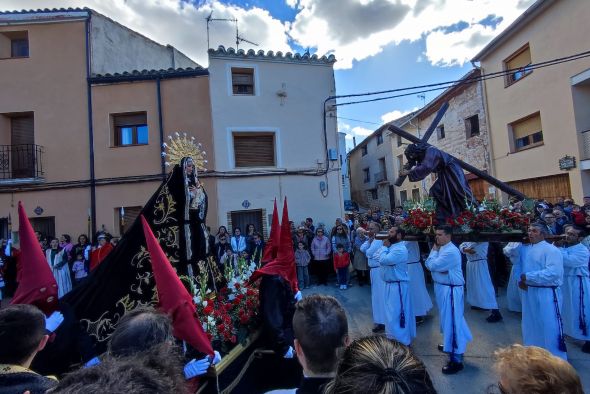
[[403, 197], [379, 138], [364, 150], [527, 133], [254, 149], [4, 228], [440, 132], [366, 176], [472, 126], [400, 162], [126, 220], [242, 80], [374, 195], [416, 194], [519, 64], [14, 44], [399, 140], [24, 155], [381, 176], [130, 129]]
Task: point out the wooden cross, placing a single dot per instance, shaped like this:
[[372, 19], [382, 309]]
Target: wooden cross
[[467, 167]]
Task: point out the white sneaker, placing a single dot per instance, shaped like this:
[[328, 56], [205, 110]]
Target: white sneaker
[[344, 287]]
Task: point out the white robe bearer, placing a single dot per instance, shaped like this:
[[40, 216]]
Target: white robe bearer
[[542, 263], [61, 274], [400, 323], [373, 250], [480, 290], [513, 251], [445, 265], [576, 278], [421, 302]]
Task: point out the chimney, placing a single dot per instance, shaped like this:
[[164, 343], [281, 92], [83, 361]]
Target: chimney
[[354, 141]]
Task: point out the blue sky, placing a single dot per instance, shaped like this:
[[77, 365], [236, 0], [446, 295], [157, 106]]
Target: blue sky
[[379, 44]]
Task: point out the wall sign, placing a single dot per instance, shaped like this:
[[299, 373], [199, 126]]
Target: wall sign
[[567, 163], [38, 211], [246, 204]]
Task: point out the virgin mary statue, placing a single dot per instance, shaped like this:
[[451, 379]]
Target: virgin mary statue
[[176, 213]]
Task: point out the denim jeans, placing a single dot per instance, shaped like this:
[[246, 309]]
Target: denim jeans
[[342, 276], [302, 276]]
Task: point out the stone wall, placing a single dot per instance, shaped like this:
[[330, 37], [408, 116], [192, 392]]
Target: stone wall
[[473, 150]]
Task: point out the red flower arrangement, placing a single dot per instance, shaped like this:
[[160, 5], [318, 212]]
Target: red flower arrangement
[[490, 221], [418, 221], [229, 315]]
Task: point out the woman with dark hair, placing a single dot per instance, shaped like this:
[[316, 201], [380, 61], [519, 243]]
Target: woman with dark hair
[[377, 365], [59, 267], [221, 232], [250, 231], [83, 247]]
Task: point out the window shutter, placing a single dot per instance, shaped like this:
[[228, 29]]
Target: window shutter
[[243, 79], [131, 213], [520, 60], [22, 130], [254, 150], [130, 119], [526, 127]]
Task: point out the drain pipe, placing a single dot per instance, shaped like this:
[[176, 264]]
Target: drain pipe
[[161, 126], [90, 133]]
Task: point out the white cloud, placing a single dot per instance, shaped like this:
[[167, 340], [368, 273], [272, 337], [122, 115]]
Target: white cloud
[[395, 114], [358, 29], [361, 131], [292, 3], [180, 24], [351, 29]]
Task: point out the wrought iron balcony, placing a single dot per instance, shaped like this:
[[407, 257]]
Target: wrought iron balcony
[[21, 161]]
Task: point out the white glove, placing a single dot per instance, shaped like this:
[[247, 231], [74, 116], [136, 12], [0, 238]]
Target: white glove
[[196, 368], [298, 296], [53, 321], [289, 353], [216, 357], [8, 249], [92, 362]]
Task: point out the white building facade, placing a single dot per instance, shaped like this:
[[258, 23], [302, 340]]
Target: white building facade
[[270, 138]]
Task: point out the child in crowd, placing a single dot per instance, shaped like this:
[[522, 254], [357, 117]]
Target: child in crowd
[[228, 259], [79, 269], [302, 259], [341, 262]]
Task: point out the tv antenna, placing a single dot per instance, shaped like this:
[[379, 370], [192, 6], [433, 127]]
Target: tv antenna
[[239, 39]]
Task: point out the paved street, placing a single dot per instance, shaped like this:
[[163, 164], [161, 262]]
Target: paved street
[[478, 374]]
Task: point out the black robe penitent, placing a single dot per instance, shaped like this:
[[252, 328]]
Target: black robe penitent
[[450, 190]]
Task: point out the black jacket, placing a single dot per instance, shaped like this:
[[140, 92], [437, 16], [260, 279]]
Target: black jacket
[[19, 382], [277, 307]]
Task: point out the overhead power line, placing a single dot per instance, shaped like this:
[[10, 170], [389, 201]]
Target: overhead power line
[[357, 120], [445, 85]]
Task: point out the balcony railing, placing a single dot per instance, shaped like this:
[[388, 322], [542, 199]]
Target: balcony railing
[[381, 176], [21, 161]]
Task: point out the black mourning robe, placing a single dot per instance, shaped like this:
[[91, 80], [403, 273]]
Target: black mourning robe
[[124, 280], [450, 190]]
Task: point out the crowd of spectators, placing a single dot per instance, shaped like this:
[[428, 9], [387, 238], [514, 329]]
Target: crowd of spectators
[[143, 356]]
